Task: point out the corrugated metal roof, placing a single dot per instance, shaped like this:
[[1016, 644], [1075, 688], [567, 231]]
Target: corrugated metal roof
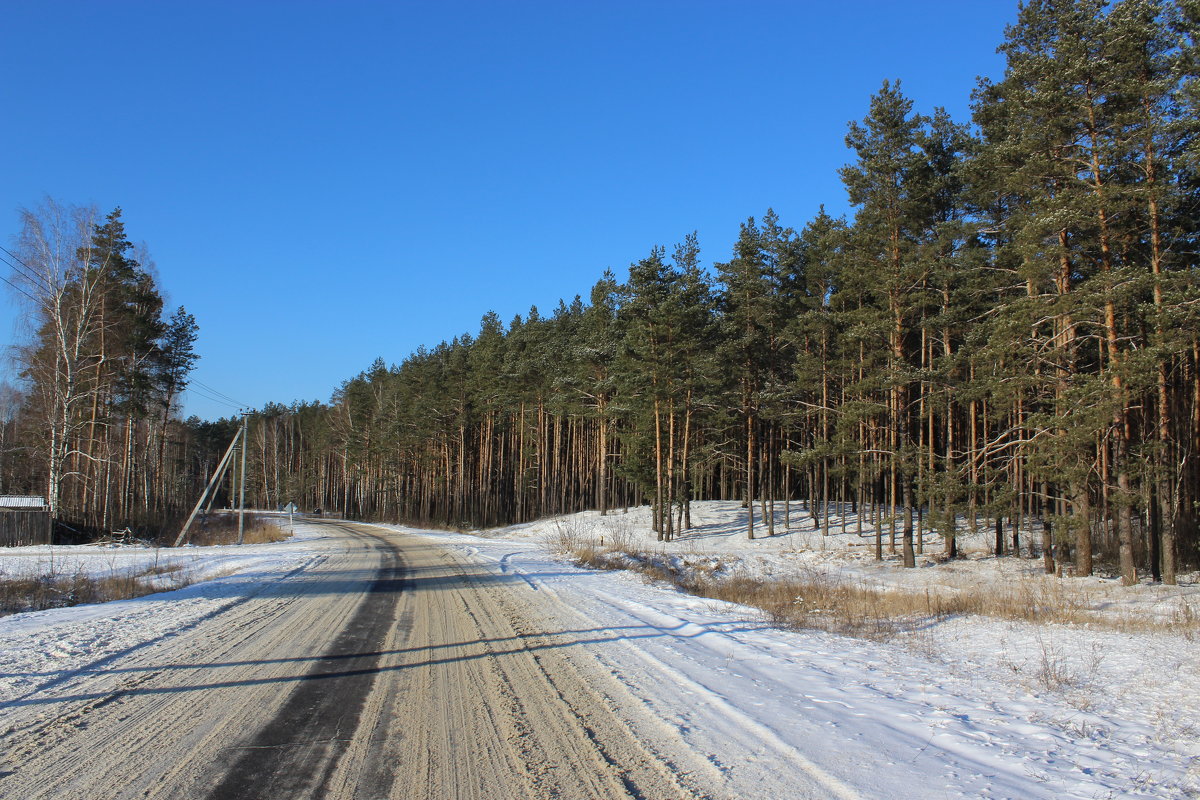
[[22, 501]]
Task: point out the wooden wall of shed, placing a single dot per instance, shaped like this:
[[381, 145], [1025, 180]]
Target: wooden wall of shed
[[21, 528]]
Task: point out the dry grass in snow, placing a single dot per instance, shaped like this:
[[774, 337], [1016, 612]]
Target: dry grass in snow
[[54, 589], [58, 577], [837, 589], [223, 529]]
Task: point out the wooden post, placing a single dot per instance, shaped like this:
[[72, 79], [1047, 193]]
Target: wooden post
[[216, 476]]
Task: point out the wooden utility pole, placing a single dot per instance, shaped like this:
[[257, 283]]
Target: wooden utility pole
[[242, 487], [218, 473]]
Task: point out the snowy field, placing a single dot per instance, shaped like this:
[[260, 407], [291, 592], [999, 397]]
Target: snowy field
[[718, 539], [961, 707]]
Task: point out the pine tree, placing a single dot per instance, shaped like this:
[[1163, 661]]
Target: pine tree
[[890, 185], [178, 357], [594, 377], [750, 323], [647, 380]]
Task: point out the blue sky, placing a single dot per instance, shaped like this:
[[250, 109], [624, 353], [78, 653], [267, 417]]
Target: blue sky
[[324, 183]]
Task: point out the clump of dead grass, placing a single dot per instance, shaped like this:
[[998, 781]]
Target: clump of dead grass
[[596, 551], [221, 529], [816, 599], [60, 590], [813, 601]]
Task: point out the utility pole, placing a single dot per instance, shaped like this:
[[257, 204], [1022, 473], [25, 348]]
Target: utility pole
[[217, 475], [233, 473], [242, 489]]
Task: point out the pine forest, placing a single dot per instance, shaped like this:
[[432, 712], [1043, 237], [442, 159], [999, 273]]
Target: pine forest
[[1003, 335]]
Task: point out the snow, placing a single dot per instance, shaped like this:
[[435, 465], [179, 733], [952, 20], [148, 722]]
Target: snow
[[115, 560], [43, 649], [958, 707]]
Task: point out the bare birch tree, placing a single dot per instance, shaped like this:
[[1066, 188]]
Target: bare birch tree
[[51, 269]]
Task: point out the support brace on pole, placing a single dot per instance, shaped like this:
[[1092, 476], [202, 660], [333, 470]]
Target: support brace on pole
[[217, 473]]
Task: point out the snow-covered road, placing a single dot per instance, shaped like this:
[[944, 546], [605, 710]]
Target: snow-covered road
[[489, 668], [770, 710], [384, 666]]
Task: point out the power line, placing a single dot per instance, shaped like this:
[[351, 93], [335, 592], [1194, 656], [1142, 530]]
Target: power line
[[18, 288], [25, 270], [14, 255], [219, 393], [209, 397], [16, 269]]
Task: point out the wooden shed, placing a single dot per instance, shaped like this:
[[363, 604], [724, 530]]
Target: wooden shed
[[24, 520]]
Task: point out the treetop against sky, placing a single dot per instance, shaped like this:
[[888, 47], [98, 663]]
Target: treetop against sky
[[322, 184]]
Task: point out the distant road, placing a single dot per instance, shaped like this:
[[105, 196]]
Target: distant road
[[393, 668]]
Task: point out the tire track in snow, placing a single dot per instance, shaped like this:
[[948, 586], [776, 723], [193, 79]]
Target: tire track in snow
[[755, 732], [99, 664]]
